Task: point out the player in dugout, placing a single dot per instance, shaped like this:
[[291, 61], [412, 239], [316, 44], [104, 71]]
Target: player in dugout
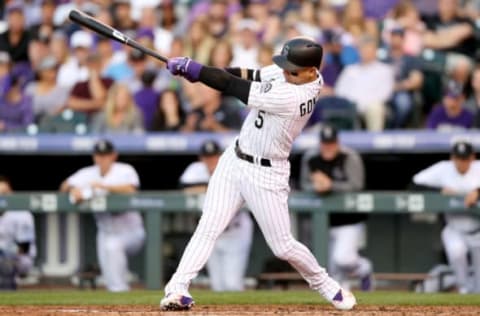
[[17, 242], [459, 176]]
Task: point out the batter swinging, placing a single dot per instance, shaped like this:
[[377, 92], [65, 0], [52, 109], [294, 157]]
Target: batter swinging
[[255, 169]]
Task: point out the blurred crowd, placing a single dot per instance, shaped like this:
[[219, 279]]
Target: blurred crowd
[[390, 64]]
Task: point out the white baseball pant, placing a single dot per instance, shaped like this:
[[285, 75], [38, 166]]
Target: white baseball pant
[[457, 246], [112, 252], [265, 191], [345, 261]]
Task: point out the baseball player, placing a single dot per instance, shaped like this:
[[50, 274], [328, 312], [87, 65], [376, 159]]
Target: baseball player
[[461, 234], [120, 234], [228, 262], [255, 169], [17, 242], [340, 169]]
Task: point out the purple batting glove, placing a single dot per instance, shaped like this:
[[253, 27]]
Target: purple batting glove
[[184, 66]]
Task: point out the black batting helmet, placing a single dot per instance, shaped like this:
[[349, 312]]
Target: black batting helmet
[[299, 52]]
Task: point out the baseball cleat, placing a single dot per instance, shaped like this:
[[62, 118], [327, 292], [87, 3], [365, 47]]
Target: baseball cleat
[[366, 283], [176, 302], [343, 300]]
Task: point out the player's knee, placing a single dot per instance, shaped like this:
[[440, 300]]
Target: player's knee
[[345, 262], [112, 246], [456, 251], [283, 250]]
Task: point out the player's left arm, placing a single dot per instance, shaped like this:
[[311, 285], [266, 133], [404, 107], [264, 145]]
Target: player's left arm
[[270, 97], [244, 73]]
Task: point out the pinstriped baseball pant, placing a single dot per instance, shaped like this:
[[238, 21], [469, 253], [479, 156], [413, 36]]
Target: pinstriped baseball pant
[[265, 191]]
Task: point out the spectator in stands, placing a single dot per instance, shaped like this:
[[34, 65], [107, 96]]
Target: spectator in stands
[[169, 114], [15, 108], [408, 79], [48, 98], [41, 33], [58, 47], [164, 31], [16, 39], [114, 64], [17, 242], [122, 16], [355, 22], [356, 79], [265, 54], [451, 114], [118, 235], [145, 37], [75, 69], [228, 262], [60, 16], [459, 176], [459, 70], [336, 168], [222, 54], [245, 47], [449, 32], [5, 66], [406, 16], [89, 96], [120, 114], [217, 18], [338, 55], [44, 30], [137, 65], [269, 24], [211, 113], [473, 102], [147, 99], [198, 42]]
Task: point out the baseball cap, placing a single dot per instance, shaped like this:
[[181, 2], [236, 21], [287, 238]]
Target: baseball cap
[[15, 6], [210, 148], [4, 57], [103, 147], [462, 150], [81, 39], [328, 134]]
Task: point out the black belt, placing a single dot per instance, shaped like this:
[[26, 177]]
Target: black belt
[[240, 154]]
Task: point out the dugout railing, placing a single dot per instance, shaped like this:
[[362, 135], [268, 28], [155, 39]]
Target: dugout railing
[[154, 204]]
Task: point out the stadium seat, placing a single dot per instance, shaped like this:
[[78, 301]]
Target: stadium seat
[[338, 112], [66, 122]]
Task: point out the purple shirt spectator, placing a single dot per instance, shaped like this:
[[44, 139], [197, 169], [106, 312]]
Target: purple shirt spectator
[[440, 120], [378, 9], [147, 100], [15, 116]]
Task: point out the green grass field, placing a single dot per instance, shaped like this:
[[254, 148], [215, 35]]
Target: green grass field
[[143, 297]]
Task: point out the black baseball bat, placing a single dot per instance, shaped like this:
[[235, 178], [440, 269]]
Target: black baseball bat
[[108, 31]]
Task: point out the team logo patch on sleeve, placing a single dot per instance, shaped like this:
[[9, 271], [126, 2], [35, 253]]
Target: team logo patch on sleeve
[[265, 87]]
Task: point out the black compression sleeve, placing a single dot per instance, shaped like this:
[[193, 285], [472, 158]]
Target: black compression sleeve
[[225, 82], [252, 74]]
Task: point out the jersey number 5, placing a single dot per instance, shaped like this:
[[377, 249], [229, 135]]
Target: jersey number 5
[[306, 108], [259, 120]]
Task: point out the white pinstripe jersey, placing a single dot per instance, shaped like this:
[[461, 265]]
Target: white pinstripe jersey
[[279, 111]]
